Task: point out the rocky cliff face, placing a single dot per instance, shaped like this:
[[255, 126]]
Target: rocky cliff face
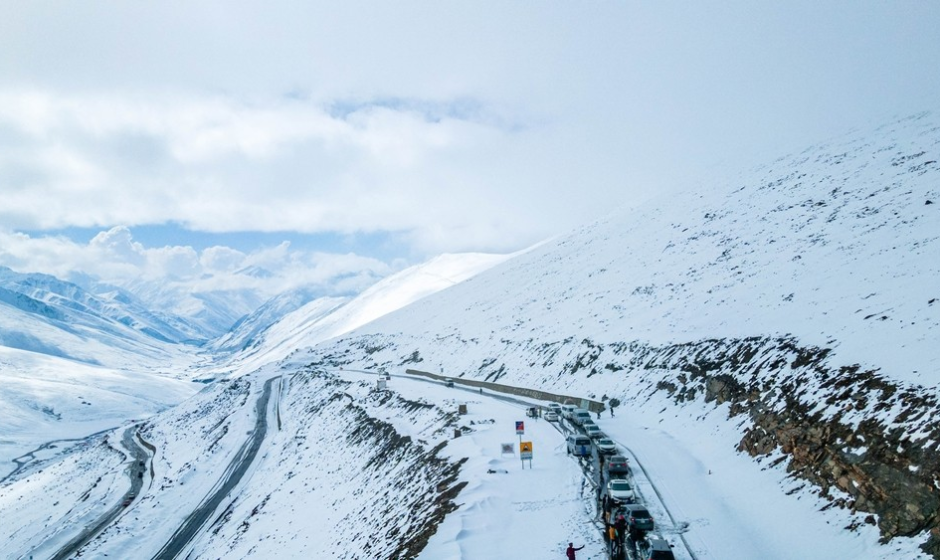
[[867, 443]]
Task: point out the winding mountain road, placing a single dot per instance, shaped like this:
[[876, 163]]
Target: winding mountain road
[[234, 473], [135, 471]]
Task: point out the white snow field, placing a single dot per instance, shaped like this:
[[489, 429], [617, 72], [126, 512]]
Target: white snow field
[[45, 398]]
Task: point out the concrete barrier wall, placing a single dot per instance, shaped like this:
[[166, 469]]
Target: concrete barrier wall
[[587, 404]]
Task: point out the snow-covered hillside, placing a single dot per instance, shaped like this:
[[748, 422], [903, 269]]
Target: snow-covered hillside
[[838, 246], [263, 340], [45, 399], [43, 314], [212, 312]]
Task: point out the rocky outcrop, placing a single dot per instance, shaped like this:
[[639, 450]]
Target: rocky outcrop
[[867, 443]]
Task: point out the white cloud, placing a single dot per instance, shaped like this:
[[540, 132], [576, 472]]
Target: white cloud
[[483, 126], [217, 165], [221, 259], [113, 256]]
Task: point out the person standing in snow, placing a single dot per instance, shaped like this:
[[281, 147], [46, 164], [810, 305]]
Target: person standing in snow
[[571, 550]]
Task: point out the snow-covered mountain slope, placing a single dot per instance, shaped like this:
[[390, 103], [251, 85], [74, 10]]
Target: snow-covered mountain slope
[[42, 314], [838, 246], [45, 398], [324, 318], [211, 312], [57, 299], [366, 491], [244, 332]]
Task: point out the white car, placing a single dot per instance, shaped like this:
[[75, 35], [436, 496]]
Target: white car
[[605, 446], [593, 432], [555, 407], [551, 416], [567, 410], [619, 490], [579, 416]]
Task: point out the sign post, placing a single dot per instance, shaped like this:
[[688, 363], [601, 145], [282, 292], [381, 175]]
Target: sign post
[[525, 452]]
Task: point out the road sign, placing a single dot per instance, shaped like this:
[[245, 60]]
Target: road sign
[[520, 428], [525, 450]]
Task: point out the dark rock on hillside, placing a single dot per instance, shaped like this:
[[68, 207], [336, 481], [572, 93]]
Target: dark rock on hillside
[[867, 443]]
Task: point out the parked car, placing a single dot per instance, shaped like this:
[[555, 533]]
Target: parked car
[[605, 446], [617, 467], [658, 549], [579, 445], [637, 516], [579, 416], [620, 490], [593, 432], [449, 383], [555, 407], [551, 416]]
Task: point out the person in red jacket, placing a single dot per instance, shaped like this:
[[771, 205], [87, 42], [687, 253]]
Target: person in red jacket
[[571, 549]]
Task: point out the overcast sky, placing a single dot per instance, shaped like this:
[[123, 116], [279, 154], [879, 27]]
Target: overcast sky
[[399, 130]]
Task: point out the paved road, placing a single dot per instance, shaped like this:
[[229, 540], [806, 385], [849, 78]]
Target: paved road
[[135, 470], [591, 466], [236, 470]]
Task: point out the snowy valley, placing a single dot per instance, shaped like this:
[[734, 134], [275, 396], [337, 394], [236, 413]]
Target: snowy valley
[[773, 341]]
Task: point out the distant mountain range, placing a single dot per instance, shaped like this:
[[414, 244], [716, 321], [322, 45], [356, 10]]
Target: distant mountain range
[[41, 313]]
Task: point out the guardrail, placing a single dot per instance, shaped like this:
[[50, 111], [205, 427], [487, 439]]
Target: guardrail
[[587, 404]]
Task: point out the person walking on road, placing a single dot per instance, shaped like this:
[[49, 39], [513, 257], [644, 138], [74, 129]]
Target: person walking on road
[[571, 550]]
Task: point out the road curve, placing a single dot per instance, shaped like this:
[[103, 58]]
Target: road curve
[[236, 470], [135, 470]]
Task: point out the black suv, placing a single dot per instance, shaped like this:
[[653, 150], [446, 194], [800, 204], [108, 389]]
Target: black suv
[[658, 549], [616, 466], [637, 516]]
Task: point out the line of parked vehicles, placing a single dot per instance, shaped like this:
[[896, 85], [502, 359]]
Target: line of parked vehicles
[[627, 523]]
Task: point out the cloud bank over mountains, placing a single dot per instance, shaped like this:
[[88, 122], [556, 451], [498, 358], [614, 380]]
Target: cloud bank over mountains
[[443, 175], [113, 256]]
